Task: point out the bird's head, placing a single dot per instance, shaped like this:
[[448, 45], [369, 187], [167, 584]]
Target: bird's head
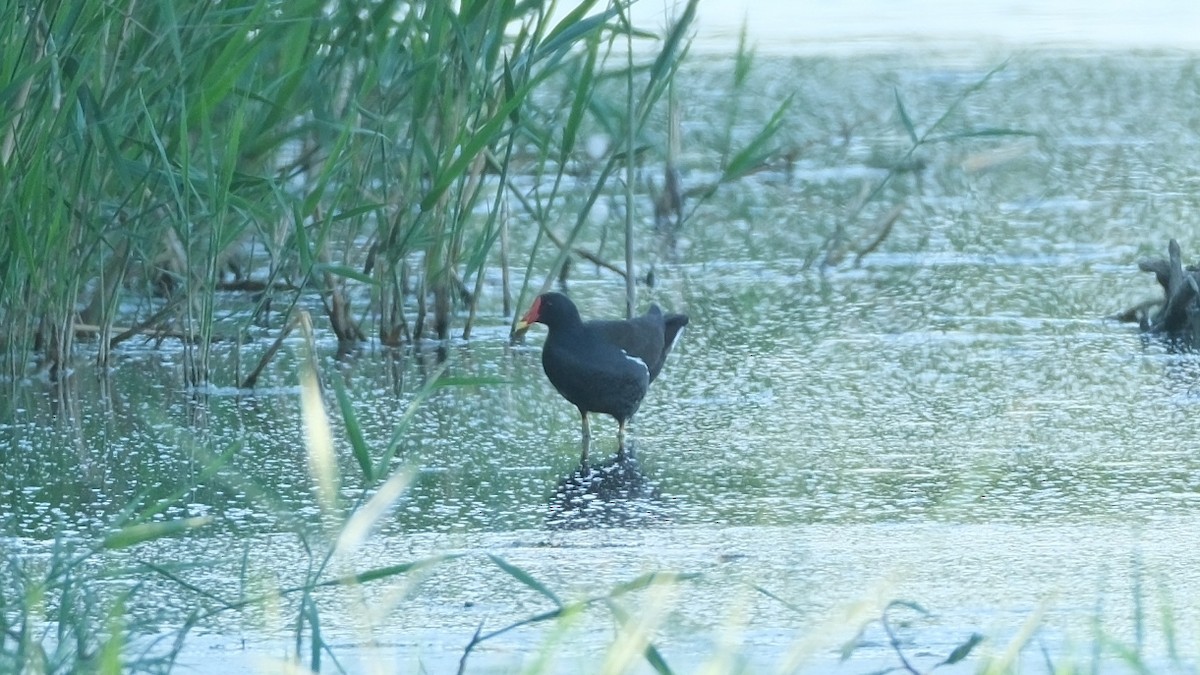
[[550, 309]]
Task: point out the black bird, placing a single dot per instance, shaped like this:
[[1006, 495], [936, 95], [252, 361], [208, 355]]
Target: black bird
[[602, 366]]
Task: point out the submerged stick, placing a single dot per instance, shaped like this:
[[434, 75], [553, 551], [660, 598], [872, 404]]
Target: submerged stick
[[252, 378], [141, 328], [885, 229]]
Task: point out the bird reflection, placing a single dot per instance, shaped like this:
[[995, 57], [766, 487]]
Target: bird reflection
[[614, 493]]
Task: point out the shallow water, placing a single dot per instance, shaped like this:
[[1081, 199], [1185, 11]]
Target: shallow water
[[952, 422], [859, 26]]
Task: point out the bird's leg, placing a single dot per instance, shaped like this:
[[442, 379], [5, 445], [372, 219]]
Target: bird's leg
[[621, 439], [587, 437]]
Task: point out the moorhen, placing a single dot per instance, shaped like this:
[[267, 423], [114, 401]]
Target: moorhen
[[602, 366]]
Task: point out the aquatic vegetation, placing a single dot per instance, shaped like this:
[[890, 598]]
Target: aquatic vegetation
[[362, 158]]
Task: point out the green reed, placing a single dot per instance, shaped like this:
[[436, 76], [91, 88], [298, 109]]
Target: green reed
[[358, 156]]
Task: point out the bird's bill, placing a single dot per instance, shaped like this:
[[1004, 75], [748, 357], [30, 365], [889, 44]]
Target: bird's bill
[[526, 321], [530, 317]]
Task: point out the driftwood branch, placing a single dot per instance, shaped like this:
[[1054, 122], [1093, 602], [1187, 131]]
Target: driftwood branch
[[1181, 290], [837, 247], [91, 330], [1178, 312], [144, 327]]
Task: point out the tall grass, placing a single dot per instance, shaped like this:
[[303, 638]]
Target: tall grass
[[64, 611], [357, 156]]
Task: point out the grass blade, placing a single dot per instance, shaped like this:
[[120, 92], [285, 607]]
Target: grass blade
[[905, 119], [391, 570], [525, 578], [354, 432], [143, 532], [960, 652], [753, 155], [651, 579]]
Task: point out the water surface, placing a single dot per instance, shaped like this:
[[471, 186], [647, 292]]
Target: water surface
[[952, 421]]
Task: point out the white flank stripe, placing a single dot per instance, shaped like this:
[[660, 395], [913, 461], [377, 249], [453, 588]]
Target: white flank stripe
[[678, 335]]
